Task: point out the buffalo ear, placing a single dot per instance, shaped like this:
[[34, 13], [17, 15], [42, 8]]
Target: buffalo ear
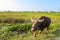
[[33, 20], [41, 20]]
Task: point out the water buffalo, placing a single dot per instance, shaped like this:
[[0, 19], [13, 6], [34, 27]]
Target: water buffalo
[[40, 24]]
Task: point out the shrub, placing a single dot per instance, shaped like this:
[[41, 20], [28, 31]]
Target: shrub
[[18, 27], [54, 26]]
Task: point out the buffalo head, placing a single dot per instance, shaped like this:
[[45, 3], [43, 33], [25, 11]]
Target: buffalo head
[[35, 24]]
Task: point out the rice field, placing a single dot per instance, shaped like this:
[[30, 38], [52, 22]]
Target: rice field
[[16, 26]]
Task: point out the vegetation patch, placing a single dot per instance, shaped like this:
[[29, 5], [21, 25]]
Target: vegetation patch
[[16, 26]]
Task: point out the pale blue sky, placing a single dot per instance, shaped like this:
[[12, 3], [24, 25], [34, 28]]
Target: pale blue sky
[[30, 5]]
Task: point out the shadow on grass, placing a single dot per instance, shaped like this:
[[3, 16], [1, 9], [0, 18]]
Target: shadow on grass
[[56, 33]]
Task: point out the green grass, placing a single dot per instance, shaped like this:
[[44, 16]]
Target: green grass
[[20, 31]]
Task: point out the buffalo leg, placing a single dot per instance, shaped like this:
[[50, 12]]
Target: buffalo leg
[[47, 29], [41, 31], [34, 34]]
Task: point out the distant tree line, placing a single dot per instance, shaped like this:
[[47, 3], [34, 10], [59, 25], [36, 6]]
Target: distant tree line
[[31, 11]]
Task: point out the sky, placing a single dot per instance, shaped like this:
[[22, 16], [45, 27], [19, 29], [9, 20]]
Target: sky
[[30, 5]]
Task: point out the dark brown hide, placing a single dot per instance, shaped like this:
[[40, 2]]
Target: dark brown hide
[[41, 25]]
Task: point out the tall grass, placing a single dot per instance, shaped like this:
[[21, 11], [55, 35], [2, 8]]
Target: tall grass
[[20, 25], [17, 30]]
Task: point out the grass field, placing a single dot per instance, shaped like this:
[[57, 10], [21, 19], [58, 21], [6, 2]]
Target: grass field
[[10, 29]]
